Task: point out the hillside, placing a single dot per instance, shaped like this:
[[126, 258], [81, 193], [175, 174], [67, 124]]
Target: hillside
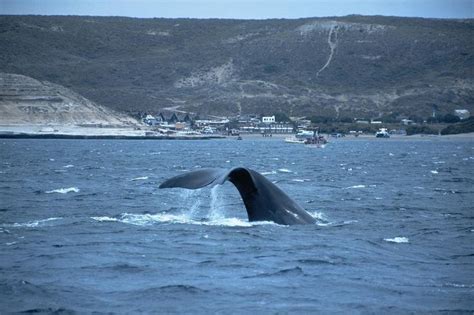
[[26, 101], [354, 66]]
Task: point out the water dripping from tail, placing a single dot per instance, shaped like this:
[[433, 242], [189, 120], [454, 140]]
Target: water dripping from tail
[[193, 202], [215, 212]]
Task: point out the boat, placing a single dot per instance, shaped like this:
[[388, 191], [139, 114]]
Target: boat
[[294, 140], [382, 133], [300, 137], [316, 141], [308, 138], [304, 134]]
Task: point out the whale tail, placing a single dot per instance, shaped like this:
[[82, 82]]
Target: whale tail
[[262, 199], [197, 179]]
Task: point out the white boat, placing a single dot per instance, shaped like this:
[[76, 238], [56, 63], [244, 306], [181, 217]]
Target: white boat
[[382, 133], [304, 134], [310, 139], [300, 137], [294, 140]]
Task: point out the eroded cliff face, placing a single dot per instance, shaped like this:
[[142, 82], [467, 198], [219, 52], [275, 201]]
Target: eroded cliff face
[[26, 101], [354, 66]]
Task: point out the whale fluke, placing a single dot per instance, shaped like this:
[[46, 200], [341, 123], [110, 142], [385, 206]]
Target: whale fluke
[[263, 200]]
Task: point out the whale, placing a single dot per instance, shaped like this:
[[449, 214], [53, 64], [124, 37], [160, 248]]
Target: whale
[[263, 200]]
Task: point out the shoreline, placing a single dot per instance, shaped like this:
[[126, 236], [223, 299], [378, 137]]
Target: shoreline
[[103, 137], [368, 137], [129, 133], [77, 132]]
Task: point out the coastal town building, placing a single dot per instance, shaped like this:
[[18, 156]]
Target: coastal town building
[[462, 113], [268, 119]]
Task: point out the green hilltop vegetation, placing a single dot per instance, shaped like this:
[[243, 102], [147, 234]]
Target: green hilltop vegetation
[[337, 67]]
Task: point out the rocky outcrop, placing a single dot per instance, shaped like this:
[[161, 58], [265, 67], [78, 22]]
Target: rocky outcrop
[[24, 100]]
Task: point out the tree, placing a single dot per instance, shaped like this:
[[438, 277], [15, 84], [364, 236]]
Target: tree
[[282, 117], [451, 119]]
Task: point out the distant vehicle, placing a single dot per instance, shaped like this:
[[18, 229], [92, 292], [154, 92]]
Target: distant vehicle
[[382, 133], [208, 130], [337, 135]]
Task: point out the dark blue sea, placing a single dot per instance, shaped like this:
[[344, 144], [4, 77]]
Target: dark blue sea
[[84, 228]]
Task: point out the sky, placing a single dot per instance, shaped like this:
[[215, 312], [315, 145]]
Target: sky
[[242, 9]]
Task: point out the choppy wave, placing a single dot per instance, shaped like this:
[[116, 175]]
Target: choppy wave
[[150, 219], [300, 180], [35, 223], [105, 219], [398, 239], [289, 272], [356, 187], [167, 218], [63, 190], [268, 173], [284, 170], [140, 178]]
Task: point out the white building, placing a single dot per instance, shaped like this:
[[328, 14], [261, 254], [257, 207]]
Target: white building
[[268, 119], [462, 113]]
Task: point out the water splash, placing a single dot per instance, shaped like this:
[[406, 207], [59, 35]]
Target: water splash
[[215, 212], [33, 224], [398, 239], [63, 190], [151, 219]]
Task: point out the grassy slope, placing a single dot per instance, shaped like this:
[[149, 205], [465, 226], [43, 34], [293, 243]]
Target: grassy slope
[[379, 64]]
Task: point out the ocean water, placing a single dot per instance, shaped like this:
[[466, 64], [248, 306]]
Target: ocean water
[[84, 228]]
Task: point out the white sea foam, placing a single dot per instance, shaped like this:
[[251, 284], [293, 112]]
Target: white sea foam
[[317, 215], [434, 172], [284, 170], [300, 180], [150, 219], [63, 190], [105, 219], [140, 178], [458, 285], [68, 166], [398, 239], [268, 173], [356, 187], [36, 223]]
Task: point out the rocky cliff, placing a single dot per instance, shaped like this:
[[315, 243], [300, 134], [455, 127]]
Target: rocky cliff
[[26, 101]]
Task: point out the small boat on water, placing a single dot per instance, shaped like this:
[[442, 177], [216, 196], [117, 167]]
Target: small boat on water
[[382, 133], [308, 138], [294, 140], [316, 141]]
